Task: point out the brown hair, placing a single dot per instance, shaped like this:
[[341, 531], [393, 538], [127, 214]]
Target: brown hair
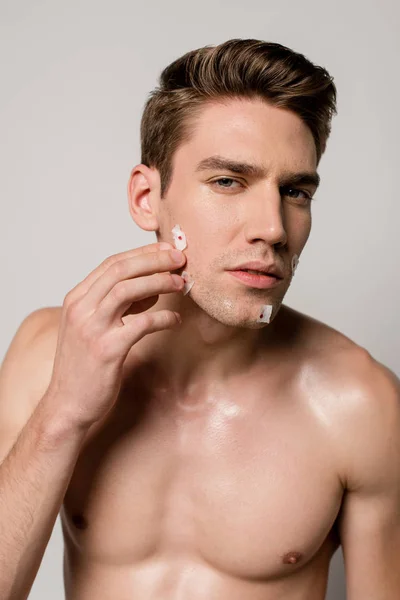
[[237, 68]]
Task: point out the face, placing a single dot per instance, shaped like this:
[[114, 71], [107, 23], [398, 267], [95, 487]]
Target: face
[[232, 217]]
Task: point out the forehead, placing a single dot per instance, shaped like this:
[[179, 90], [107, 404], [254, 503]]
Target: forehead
[[250, 128]]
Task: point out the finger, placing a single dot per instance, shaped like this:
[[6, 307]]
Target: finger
[[141, 325], [129, 292], [82, 288], [119, 273], [140, 306]]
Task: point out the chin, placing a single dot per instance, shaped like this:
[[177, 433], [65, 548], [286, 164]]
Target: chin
[[228, 312]]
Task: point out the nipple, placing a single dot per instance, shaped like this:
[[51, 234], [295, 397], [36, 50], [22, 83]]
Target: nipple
[[292, 558]]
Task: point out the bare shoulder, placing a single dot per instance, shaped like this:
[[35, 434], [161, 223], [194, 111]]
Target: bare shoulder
[[320, 340], [358, 397], [37, 333], [26, 369], [46, 333], [37, 337], [330, 351], [46, 342]]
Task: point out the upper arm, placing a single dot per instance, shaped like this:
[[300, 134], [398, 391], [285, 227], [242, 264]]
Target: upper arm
[[25, 374], [369, 521]]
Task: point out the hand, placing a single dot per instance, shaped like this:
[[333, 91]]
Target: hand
[[93, 340]]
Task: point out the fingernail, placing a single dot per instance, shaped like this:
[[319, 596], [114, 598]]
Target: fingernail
[[177, 256]]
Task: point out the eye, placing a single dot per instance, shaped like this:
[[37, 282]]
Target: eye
[[306, 195], [225, 179]]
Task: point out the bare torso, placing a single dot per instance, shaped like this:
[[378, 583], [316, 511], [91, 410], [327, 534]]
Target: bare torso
[[226, 496]]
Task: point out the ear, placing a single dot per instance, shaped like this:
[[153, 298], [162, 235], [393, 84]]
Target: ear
[[144, 197]]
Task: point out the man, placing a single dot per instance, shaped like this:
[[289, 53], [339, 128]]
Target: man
[[229, 456]]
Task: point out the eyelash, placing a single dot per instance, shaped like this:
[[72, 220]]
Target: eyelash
[[287, 187]]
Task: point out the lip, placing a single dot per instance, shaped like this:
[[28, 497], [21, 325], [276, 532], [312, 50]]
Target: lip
[[257, 265], [261, 282]]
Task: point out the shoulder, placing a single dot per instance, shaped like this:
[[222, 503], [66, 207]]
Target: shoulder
[[30, 355], [37, 336], [26, 372], [371, 429], [45, 340], [45, 324], [358, 399], [328, 353], [38, 324]]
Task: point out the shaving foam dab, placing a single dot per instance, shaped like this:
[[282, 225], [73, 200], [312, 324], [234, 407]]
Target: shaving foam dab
[[179, 238], [265, 313], [188, 282], [295, 262]]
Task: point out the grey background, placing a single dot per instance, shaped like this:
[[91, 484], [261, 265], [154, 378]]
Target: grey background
[[74, 78]]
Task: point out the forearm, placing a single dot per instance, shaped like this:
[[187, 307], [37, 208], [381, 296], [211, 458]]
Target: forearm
[[33, 481]]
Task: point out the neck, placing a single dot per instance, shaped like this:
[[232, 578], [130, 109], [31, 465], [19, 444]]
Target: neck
[[202, 352]]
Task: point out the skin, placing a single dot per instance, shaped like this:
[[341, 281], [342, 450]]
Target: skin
[[226, 225], [221, 472]]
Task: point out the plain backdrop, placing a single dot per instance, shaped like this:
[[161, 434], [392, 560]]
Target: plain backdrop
[[74, 79]]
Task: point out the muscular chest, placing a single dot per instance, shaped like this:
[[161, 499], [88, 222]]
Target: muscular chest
[[248, 492]]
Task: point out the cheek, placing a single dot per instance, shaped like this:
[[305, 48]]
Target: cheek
[[305, 230], [208, 227], [203, 245], [298, 230]]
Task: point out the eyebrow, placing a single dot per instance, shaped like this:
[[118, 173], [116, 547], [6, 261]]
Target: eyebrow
[[257, 171]]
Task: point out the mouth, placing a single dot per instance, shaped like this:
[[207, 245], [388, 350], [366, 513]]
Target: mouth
[[256, 279]]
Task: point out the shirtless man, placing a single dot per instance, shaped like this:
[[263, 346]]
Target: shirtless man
[[226, 457]]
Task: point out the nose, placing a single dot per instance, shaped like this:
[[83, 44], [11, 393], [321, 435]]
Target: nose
[[265, 219]]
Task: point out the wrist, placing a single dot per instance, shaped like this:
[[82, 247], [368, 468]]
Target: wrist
[[55, 424]]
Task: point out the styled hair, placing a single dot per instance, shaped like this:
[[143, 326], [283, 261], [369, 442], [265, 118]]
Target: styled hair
[[237, 68]]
